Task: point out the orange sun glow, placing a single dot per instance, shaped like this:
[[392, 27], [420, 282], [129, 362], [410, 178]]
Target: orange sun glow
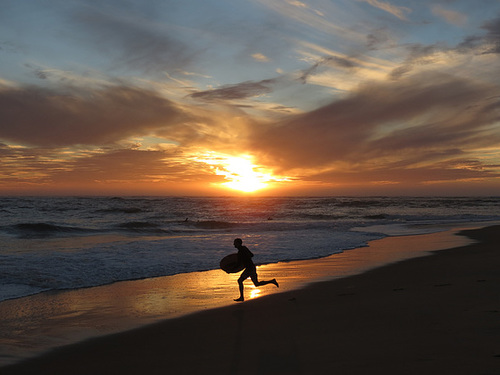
[[240, 172]]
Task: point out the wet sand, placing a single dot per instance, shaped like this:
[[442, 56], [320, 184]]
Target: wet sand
[[431, 314]]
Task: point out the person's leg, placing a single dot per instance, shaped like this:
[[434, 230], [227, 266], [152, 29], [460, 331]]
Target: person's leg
[[240, 285], [242, 278], [256, 281]]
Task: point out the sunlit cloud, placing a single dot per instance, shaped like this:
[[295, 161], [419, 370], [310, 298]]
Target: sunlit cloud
[[260, 57], [451, 16]]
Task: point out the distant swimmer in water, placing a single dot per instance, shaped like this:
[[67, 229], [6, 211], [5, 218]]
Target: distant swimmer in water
[[245, 258]]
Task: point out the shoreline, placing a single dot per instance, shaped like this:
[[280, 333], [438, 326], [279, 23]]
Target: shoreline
[[285, 299]]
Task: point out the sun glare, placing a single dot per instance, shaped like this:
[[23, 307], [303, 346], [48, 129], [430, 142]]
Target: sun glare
[[240, 172], [254, 293]]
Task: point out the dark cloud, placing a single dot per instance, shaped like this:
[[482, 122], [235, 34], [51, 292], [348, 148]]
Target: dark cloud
[[342, 62], [8, 46], [39, 73], [377, 38], [400, 71], [45, 117], [335, 61], [421, 52], [403, 120], [485, 44], [238, 91], [418, 55], [493, 35], [284, 109], [470, 42]]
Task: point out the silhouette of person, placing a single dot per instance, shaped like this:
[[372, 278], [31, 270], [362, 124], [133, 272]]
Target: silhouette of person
[[245, 258]]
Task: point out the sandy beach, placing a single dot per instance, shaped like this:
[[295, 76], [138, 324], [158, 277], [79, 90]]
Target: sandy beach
[[430, 314]]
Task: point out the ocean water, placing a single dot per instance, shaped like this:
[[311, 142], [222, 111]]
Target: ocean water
[[51, 243]]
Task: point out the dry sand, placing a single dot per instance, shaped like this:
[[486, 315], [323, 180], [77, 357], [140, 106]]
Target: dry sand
[[438, 314]]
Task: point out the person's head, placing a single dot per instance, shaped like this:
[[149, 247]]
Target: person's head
[[237, 242]]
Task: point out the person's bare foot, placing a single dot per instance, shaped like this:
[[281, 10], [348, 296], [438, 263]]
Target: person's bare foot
[[241, 299]]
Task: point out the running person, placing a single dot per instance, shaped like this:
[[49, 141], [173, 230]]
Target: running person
[[245, 258]]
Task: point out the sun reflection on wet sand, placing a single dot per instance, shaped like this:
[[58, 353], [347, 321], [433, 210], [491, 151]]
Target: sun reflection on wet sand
[[254, 293]]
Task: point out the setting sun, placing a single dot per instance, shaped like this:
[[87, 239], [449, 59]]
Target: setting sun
[[240, 172], [242, 176]]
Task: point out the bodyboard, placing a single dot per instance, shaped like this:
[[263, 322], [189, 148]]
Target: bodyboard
[[230, 264]]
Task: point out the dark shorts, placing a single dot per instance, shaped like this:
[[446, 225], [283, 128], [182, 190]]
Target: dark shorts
[[249, 272]]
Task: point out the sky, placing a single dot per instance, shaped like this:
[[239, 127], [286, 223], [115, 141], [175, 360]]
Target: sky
[[257, 97]]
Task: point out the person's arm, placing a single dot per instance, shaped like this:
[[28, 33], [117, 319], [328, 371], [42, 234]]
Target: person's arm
[[248, 253]]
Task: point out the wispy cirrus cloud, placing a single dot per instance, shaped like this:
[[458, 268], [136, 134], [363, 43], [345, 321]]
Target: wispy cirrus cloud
[[308, 15], [450, 56], [131, 41], [397, 11], [451, 16]]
